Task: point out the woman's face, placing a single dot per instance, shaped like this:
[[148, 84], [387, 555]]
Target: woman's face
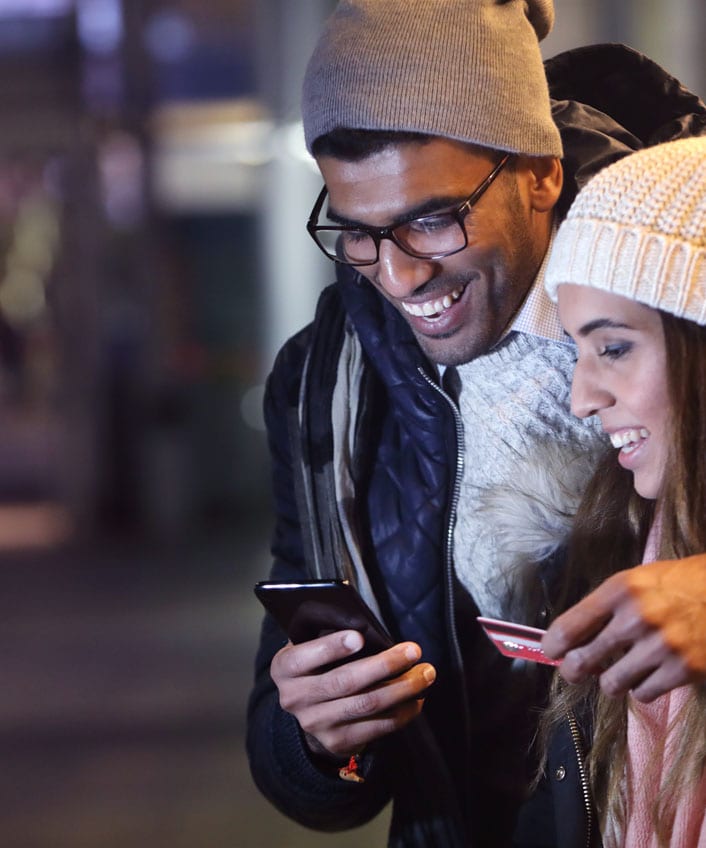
[[621, 376]]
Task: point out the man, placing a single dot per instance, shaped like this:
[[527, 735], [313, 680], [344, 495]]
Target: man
[[432, 127]]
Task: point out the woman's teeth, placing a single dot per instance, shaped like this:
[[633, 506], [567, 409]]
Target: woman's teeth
[[628, 439], [433, 307]]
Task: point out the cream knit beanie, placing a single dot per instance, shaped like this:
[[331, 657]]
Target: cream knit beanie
[[638, 229], [464, 69]]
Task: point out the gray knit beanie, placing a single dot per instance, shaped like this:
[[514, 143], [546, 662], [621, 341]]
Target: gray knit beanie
[[638, 229], [464, 69]]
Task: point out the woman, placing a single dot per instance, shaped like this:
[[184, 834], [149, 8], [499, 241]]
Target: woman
[[628, 270]]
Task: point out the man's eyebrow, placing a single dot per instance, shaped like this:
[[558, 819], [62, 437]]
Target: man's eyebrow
[[602, 324], [428, 207]]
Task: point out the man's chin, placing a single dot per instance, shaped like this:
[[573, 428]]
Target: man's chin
[[447, 350]]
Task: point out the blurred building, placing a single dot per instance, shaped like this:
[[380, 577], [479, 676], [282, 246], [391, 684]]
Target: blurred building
[[153, 188], [134, 312]]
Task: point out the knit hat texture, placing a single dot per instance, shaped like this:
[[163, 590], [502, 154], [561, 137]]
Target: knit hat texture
[[464, 69], [638, 229]]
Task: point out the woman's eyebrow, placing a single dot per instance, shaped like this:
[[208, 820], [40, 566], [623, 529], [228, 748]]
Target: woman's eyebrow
[[602, 324], [427, 207]]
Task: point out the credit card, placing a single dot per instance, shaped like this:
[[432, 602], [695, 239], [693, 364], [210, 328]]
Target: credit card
[[516, 640]]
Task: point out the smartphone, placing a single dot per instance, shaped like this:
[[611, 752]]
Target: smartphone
[[306, 611]]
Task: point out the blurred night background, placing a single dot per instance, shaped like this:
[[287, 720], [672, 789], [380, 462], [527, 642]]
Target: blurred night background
[[153, 257]]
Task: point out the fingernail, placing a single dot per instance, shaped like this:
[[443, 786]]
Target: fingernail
[[412, 652], [353, 641], [429, 674]]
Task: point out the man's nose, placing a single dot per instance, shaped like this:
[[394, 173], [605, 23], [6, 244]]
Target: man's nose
[[400, 274], [588, 396]]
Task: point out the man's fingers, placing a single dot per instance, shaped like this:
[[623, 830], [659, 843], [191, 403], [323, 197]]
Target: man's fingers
[[578, 624], [338, 694], [648, 670], [346, 739], [672, 597], [638, 663], [297, 672], [642, 630], [354, 703], [305, 658], [340, 725], [624, 631], [672, 673]]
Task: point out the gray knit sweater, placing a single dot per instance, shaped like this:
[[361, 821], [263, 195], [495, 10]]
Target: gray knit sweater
[[514, 401]]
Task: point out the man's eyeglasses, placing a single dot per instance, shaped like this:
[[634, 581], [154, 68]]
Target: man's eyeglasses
[[429, 237]]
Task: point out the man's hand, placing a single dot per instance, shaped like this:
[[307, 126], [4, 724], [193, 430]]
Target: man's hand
[[345, 708], [643, 630]]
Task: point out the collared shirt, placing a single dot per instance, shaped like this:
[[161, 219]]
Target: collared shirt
[[538, 314]]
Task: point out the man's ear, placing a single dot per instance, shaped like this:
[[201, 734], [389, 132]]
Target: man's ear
[[544, 179]]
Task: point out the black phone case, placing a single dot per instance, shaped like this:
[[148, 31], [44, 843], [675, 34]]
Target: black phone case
[[308, 610]]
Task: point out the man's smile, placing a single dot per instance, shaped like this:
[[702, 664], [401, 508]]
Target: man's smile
[[433, 308]]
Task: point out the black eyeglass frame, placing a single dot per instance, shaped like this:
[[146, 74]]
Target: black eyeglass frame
[[378, 234]]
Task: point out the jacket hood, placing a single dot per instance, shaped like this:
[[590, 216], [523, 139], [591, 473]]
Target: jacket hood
[[608, 100]]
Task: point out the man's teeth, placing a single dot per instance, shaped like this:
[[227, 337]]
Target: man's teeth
[[433, 307], [628, 437]]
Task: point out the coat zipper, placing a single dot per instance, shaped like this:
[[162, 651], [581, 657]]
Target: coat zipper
[[448, 559], [585, 790], [455, 495]]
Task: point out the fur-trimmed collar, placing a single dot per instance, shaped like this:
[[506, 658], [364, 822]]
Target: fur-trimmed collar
[[530, 518]]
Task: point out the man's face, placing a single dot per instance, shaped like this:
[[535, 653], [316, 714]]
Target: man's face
[[459, 305]]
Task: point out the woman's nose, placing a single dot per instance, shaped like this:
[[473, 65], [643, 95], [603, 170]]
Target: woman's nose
[[588, 396], [400, 274]]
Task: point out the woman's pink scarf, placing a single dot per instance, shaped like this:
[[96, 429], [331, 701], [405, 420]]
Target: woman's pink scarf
[[649, 744]]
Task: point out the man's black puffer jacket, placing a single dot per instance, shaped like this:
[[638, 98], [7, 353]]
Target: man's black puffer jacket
[[609, 101]]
